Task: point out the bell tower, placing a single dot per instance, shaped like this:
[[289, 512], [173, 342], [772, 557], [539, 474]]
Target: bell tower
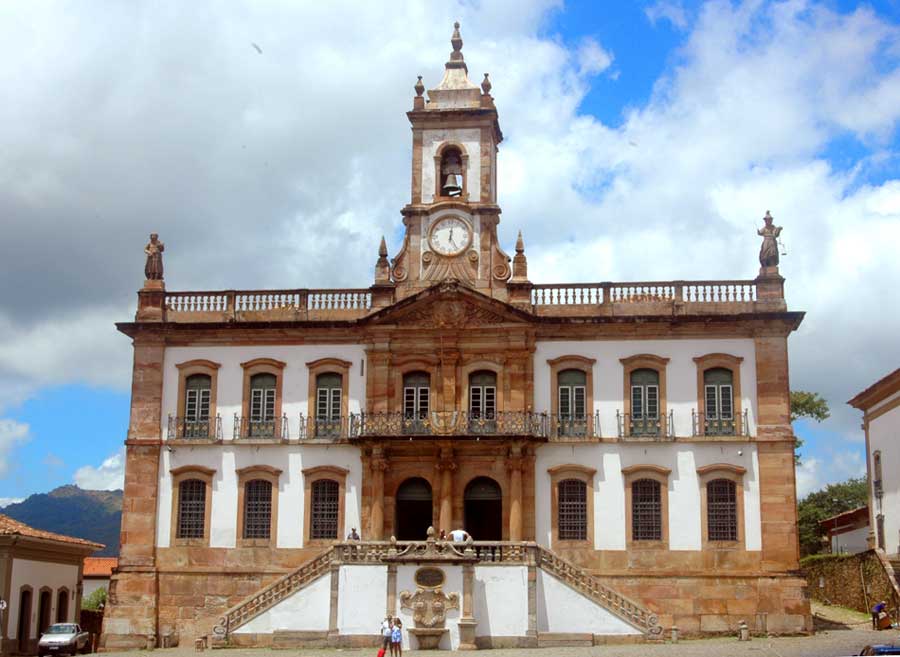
[[451, 219]]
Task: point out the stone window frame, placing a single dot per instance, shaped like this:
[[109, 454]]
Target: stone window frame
[[480, 365], [245, 475], [198, 366], [572, 362], [581, 473], [328, 365], [660, 475], [728, 362], [464, 162], [646, 362], [430, 366], [264, 366], [734, 473], [310, 476], [178, 475]]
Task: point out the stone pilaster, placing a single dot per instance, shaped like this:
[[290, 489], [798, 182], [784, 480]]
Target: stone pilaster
[[378, 464], [334, 601], [390, 605], [130, 616], [515, 463], [446, 466]]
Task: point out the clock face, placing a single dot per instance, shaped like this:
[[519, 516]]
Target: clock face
[[450, 236]]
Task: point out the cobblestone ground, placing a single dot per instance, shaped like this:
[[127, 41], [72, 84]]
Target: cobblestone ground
[[828, 643]]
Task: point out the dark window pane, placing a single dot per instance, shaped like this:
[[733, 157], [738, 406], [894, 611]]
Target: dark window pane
[[258, 509], [191, 509], [324, 508], [646, 510], [572, 510], [721, 510]]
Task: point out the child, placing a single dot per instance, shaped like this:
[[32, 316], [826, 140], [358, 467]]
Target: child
[[397, 639]]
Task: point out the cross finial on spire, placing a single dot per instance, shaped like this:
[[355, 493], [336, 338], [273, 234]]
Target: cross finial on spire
[[456, 41], [520, 244]]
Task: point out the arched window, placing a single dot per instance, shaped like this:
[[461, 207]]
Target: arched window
[[451, 173], [482, 401], [197, 395], [572, 512], [721, 510], [329, 388], [262, 405], [571, 394], [258, 509], [718, 389], [644, 419], [416, 399], [646, 510], [324, 509], [62, 606], [191, 509]]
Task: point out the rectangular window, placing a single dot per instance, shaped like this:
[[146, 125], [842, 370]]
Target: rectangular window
[[324, 509], [483, 401], [415, 402], [262, 404], [572, 510], [721, 503], [191, 509], [646, 510]]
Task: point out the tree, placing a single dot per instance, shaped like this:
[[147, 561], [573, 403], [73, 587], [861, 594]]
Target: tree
[[807, 404], [96, 600], [821, 504]]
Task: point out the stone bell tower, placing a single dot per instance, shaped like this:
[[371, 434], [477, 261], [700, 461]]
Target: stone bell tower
[[451, 219]]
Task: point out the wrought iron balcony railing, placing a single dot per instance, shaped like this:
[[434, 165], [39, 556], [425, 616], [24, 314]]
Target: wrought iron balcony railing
[[573, 427], [658, 428], [738, 425], [449, 423], [271, 429], [181, 428]]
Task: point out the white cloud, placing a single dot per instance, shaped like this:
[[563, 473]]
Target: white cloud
[[667, 10], [6, 501], [109, 476], [12, 435], [283, 169], [808, 477]]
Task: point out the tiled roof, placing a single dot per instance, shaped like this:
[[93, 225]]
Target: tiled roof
[[10, 527], [882, 388], [99, 566]]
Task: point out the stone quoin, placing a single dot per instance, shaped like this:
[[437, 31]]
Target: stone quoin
[[620, 453]]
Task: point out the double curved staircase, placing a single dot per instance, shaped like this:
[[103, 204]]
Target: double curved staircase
[[380, 552]]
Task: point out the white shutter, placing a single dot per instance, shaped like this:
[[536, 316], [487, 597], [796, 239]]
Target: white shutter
[[475, 401], [578, 406], [422, 402], [335, 410], [652, 402], [712, 403], [726, 407], [637, 402], [565, 401], [191, 405], [490, 402]]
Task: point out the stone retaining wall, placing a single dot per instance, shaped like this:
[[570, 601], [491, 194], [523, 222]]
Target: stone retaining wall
[[856, 581]]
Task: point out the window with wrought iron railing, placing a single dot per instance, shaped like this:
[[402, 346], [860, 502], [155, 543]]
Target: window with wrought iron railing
[[721, 510], [572, 510], [191, 509]]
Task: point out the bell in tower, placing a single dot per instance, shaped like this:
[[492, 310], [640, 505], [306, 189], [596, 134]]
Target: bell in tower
[[451, 173]]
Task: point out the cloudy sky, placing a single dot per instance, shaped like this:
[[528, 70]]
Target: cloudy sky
[[642, 142]]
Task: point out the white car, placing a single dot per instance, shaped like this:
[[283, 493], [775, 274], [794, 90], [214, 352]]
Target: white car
[[64, 638]]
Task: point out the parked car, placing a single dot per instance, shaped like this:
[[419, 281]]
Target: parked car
[[881, 649], [64, 638]]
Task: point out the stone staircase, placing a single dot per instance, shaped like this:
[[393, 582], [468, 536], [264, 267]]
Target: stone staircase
[[500, 552]]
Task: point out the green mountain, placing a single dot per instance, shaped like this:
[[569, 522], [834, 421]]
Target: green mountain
[[95, 515]]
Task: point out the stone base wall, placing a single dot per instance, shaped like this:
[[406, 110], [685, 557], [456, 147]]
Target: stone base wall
[[704, 606], [843, 580], [129, 620]]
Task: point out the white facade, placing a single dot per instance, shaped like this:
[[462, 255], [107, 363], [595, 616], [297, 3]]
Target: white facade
[[884, 442], [40, 576], [850, 542]]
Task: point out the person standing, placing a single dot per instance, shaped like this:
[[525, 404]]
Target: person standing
[[397, 639], [386, 634], [353, 535]]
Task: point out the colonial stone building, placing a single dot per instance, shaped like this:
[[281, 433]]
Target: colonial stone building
[[621, 453]]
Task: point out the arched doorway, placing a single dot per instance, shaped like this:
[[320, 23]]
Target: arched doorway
[[24, 628], [44, 601], [483, 508], [414, 510]]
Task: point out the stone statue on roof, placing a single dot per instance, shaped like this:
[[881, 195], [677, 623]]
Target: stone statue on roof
[[768, 252], [153, 269]]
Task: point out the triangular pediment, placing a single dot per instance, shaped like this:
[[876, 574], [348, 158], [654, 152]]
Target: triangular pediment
[[449, 305]]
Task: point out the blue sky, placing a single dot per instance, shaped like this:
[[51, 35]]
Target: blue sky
[[656, 128]]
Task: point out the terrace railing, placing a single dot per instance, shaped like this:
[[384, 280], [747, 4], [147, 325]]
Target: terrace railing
[[738, 425], [449, 423], [248, 428], [661, 427], [181, 428]]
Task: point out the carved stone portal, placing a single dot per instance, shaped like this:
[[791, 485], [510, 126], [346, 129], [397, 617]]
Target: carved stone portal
[[429, 606]]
